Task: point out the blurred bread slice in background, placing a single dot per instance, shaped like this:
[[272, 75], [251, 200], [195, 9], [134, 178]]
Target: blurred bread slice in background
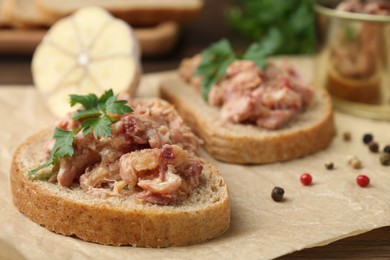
[[25, 14], [43, 13], [156, 23], [135, 12]]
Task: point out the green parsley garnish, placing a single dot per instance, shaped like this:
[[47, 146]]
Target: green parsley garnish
[[215, 60], [219, 55], [97, 118], [292, 20]]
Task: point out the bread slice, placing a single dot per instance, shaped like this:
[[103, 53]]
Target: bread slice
[[25, 14], [142, 12], [113, 220], [311, 131]]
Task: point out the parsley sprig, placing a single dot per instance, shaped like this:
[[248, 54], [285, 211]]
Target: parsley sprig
[[292, 20], [97, 117], [219, 55]]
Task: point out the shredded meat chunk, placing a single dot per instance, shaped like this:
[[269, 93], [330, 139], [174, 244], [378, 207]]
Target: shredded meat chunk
[[84, 156], [269, 99], [187, 71], [161, 172], [72, 167], [150, 155], [171, 128]]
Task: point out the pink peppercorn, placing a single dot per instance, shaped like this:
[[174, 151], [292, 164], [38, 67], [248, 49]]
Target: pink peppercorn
[[306, 179], [362, 180]]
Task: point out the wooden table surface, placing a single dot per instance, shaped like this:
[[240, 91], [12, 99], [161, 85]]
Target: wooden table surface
[[209, 28]]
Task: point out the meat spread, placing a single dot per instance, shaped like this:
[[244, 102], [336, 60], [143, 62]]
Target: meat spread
[[269, 98], [375, 7], [150, 155], [356, 47]]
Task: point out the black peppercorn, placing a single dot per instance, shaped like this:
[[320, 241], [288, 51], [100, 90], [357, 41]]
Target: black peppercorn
[[277, 194], [367, 138], [386, 149], [373, 146]]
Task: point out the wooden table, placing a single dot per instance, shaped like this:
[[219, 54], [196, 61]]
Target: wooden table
[[209, 28]]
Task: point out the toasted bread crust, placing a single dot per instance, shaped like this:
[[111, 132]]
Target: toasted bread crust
[[248, 144], [117, 221]]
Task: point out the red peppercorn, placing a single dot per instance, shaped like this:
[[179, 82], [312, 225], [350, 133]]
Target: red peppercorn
[[362, 180], [306, 179]]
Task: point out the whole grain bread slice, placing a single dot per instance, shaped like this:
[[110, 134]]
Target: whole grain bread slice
[[113, 220], [310, 132], [142, 12]]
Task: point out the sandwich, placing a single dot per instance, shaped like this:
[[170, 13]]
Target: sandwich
[[116, 175], [248, 110]]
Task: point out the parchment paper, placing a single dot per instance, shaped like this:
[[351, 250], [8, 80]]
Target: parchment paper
[[332, 208]]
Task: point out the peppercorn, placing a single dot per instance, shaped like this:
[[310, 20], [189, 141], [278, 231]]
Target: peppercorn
[[373, 146], [329, 165], [362, 180], [367, 138], [306, 179], [277, 194], [386, 149], [347, 136], [385, 159], [355, 162]]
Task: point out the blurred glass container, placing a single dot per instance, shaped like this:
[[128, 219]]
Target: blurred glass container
[[353, 60]]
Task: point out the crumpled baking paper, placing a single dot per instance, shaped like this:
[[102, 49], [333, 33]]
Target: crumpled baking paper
[[333, 207]]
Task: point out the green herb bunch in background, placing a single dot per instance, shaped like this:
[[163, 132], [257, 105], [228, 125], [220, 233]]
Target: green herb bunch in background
[[288, 24]]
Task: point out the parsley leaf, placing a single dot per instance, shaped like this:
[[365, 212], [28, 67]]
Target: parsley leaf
[[259, 51], [215, 60], [117, 106], [63, 147], [220, 55], [106, 95], [95, 112], [94, 119], [88, 101], [64, 143], [292, 19], [100, 126]]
